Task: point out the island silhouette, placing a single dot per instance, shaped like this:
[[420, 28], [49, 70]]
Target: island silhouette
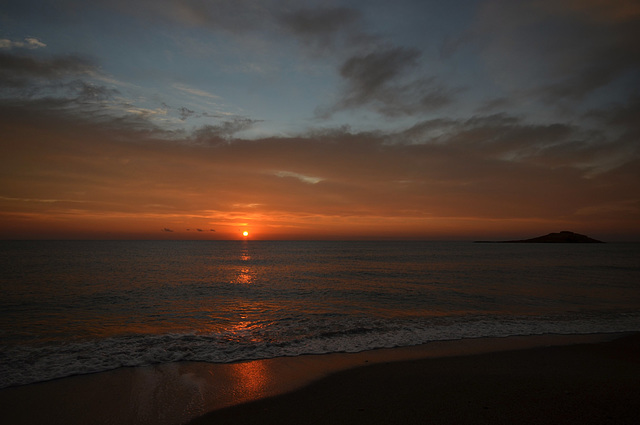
[[561, 237]]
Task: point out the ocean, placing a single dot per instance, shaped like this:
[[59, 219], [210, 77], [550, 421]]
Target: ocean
[[76, 307]]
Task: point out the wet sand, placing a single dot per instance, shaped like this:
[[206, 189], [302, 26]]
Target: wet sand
[[541, 379], [579, 384]]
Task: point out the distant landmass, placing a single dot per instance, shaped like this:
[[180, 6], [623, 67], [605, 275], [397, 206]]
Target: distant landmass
[[561, 237]]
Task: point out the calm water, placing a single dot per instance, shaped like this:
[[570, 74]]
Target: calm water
[[71, 307]]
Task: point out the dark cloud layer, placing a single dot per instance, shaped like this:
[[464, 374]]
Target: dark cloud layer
[[368, 75], [328, 31], [18, 70], [320, 22], [382, 81], [560, 50]]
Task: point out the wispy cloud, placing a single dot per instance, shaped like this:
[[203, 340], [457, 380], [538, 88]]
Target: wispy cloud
[[194, 91], [212, 134], [301, 177], [44, 201], [146, 112], [30, 43]]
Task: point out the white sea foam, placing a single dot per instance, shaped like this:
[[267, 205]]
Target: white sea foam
[[24, 364]]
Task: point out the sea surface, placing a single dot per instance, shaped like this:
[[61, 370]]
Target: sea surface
[[75, 307]]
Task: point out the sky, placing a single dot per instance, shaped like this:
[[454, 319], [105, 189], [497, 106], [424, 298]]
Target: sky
[[337, 119]]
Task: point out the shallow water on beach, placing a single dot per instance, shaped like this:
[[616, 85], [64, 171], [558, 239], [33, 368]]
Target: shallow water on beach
[[72, 307]]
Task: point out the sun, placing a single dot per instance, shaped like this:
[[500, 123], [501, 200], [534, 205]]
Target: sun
[[245, 233]]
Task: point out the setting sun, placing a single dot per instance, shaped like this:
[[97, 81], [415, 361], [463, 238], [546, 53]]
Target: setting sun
[[245, 233]]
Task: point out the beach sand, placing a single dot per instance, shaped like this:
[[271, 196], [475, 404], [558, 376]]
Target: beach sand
[[579, 384], [581, 379]]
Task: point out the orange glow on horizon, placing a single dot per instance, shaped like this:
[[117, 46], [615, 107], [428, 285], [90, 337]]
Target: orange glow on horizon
[[292, 226]]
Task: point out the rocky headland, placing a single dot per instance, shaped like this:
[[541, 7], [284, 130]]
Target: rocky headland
[[561, 237]]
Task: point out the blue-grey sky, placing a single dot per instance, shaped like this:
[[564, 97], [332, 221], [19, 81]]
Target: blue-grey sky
[[319, 119]]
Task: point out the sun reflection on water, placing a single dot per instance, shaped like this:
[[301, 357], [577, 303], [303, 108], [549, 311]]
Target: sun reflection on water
[[245, 274], [244, 331]]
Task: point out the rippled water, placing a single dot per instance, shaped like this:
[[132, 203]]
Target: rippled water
[[70, 307]]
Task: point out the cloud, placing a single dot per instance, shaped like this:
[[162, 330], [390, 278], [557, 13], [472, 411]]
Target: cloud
[[508, 139], [301, 177], [225, 130], [54, 84], [560, 51], [318, 27], [320, 21], [377, 74], [67, 134], [232, 16], [30, 43], [194, 91], [621, 115], [619, 127], [325, 29], [368, 74], [18, 70], [450, 45], [494, 167], [89, 92], [381, 80], [606, 11], [46, 201], [70, 85]]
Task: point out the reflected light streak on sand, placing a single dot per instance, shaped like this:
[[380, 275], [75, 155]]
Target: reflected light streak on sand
[[250, 379]]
